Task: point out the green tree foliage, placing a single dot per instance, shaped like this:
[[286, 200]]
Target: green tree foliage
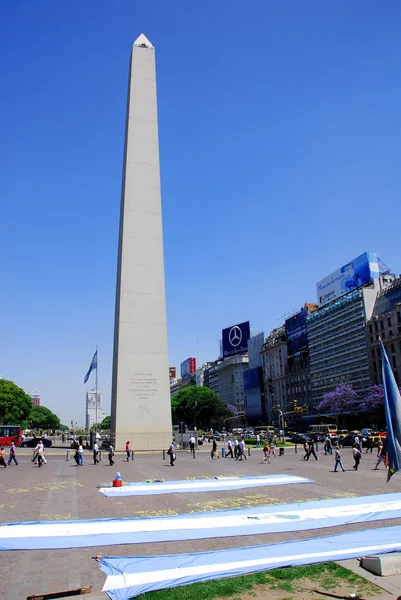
[[43, 418], [15, 404], [105, 424], [198, 404]]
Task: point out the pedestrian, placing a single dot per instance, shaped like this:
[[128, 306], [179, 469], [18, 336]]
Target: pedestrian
[[229, 448], [235, 448], [95, 453], [111, 454], [2, 457], [358, 441], [80, 455], [369, 444], [257, 441], [171, 453], [338, 459], [127, 451], [266, 452], [328, 448], [311, 450], [241, 450], [382, 454], [306, 449], [192, 442], [357, 456], [40, 449], [214, 449], [12, 454], [40, 455]]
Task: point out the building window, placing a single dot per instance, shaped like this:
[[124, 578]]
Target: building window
[[370, 329], [399, 316], [376, 326], [394, 362], [389, 321], [392, 348], [373, 353], [381, 325]]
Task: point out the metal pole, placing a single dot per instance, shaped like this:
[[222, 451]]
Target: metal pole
[[97, 363]]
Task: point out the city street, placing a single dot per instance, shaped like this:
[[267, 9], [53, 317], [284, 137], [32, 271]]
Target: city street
[[62, 491]]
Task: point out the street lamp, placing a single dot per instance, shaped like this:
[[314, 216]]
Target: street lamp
[[195, 407], [282, 422]]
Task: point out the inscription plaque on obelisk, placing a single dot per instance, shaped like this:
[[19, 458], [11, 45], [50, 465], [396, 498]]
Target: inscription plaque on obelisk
[[140, 403]]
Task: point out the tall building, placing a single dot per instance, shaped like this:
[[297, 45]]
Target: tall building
[[338, 344], [254, 393], [93, 398], [226, 379], [385, 325], [35, 397], [274, 360], [140, 405], [297, 369]]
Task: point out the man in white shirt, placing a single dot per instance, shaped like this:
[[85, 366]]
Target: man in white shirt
[[229, 448], [95, 453], [80, 456], [192, 442], [257, 441]]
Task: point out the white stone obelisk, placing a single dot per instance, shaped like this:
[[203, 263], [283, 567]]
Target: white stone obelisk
[[140, 406]]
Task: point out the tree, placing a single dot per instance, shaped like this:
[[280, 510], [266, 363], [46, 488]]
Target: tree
[[15, 404], [374, 399], [342, 399], [198, 406], [43, 418], [105, 424]]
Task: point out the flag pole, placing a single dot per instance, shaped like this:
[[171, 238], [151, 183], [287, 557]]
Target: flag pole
[[97, 365]]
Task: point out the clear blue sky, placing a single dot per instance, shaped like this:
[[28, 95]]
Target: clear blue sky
[[280, 145]]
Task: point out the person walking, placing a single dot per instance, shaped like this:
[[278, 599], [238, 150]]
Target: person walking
[[311, 450], [40, 455], [257, 441], [338, 461], [356, 453], [110, 455], [241, 450], [12, 454], [171, 453], [127, 451], [192, 442], [381, 455], [306, 449], [328, 448], [95, 453], [266, 453], [2, 457], [235, 448], [369, 444], [358, 441], [229, 448], [214, 449]]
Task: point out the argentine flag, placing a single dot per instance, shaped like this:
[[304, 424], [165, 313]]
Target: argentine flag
[[93, 366], [392, 405]]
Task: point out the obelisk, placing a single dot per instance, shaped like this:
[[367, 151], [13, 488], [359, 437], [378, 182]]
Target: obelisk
[[140, 404]]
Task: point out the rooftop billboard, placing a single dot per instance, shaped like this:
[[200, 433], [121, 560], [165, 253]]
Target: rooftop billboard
[[188, 366], [358, 272], [235, 339]]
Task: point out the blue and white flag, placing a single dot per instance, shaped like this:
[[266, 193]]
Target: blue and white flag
[[92, 367], [233, 409], [392, 405]]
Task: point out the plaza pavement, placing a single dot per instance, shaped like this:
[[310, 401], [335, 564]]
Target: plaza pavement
[[60, 491]]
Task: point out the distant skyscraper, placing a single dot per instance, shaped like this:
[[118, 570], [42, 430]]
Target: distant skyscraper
[[91, 408], [35, 397], [140, 405]]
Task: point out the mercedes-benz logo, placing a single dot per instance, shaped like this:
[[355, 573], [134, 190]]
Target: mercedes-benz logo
[[235, 336]]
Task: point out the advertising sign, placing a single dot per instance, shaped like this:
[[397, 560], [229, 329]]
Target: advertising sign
[[235, 339], [172, 372], [351, 276], [297, 338], [188, 366]]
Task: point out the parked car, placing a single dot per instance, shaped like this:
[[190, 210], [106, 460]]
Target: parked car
[[299, 438], [349, 440], [33, 442], [342, 433]]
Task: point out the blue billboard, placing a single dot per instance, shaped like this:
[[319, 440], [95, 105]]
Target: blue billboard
[[235, 339], [358, 272], [297, 337], [254, 399]]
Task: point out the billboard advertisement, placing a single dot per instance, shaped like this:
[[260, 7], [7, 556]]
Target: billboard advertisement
[[254, 401], [351, 276], [297, 338], [235, 339], [188, 366], [172, 372]]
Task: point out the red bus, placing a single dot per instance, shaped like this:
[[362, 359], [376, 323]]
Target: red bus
[[10, 433]]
